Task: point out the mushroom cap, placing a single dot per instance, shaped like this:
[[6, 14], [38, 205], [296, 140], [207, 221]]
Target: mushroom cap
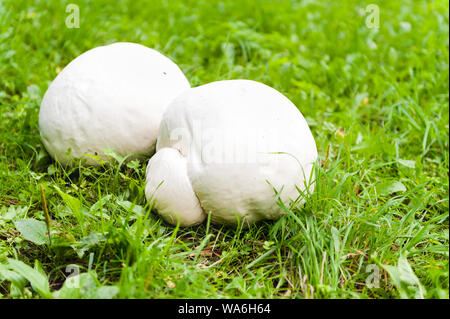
[[246, 146], [112, 97]]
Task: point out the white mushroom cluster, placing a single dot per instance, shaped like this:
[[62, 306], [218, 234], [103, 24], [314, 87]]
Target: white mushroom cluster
[[229, 149]]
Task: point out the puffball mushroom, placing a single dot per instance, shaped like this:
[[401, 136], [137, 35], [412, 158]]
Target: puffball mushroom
[[231, 149], [112, 97]]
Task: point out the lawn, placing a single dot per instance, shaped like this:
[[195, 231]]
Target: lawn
[[374, 94]]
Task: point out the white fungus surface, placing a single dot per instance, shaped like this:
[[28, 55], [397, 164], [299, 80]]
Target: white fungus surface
[[112, 97], [224, 148]]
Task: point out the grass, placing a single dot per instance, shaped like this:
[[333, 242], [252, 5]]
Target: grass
[[376, 101]]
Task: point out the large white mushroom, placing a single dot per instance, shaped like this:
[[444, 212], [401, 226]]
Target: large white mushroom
[[231, 149], [112, 97]]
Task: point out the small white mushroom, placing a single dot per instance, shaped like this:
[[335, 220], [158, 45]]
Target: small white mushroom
[[170, 166], [230, 149], [112, 97]]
